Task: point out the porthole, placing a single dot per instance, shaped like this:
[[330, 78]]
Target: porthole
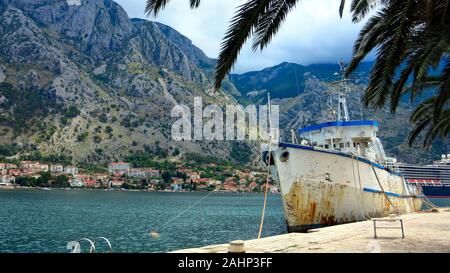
[[284, 156]]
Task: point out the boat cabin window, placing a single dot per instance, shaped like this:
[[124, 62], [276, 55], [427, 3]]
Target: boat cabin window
[[341, 145], [327, 146]]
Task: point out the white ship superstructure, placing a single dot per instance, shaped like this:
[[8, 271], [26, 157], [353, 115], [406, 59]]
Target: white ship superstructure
[[339, 173]]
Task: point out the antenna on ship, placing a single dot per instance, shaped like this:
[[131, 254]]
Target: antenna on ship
[[342, 110]]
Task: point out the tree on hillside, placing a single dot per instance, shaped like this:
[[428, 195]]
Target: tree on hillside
[[411, 39]]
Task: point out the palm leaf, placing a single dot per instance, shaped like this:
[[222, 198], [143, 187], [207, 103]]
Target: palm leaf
[[241, 28], [369, 38], [423, 118], [155, 6], [270, 22], [360, 8], [398, 90], [341, 8], [390, 55], [443, 95]]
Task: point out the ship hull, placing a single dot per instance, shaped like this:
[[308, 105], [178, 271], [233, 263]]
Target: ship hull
[[436, 191], [322, 188]]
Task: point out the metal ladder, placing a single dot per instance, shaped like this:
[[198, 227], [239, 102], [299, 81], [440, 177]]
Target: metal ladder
[[75, 246]]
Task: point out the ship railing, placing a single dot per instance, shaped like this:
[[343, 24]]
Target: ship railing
[[392, 165]]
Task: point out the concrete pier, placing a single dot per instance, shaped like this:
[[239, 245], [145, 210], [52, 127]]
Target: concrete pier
[[425, 232]]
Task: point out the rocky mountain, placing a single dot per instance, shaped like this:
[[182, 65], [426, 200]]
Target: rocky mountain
[[80, 81], [80, 78], [288, 80]]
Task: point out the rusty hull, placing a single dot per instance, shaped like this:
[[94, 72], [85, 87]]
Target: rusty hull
[[321, 188], [311, 205]]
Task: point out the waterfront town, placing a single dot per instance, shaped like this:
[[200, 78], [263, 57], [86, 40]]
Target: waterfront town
[[122, 175]]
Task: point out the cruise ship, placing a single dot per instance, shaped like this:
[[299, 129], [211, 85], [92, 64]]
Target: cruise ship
[[337, 172], [434, 179]]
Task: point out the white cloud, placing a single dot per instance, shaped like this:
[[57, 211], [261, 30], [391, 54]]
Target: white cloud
[[312, 33]]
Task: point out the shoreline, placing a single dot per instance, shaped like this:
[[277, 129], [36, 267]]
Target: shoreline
[[125, 190]]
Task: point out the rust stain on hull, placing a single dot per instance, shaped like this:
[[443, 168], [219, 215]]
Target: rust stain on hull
[[312, 204], [327, 221]]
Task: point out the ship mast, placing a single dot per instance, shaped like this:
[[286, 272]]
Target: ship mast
[[342, 109], [342, 96]]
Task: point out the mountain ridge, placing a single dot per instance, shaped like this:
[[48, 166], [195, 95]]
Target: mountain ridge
[[122, 76], [287, 79], [88, 82]]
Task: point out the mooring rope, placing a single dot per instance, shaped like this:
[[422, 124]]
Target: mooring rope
[[428, 202], [163, 227], [384, 192], [263, 213], [358, 200], [362, 191], [266, 190], [410, 196]]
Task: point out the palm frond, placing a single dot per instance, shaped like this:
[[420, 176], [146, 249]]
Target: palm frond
[[155, 6], [341, 8], [420, 126], [398, 90], [194, 4], [428, 83], [391, 54], [443, 96], [360, 8], [270, 22], [241, 28], [369, 38], [423, 118], [438, 128], [429, 56]]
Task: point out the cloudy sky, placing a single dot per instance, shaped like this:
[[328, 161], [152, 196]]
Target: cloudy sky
[[312, 33]]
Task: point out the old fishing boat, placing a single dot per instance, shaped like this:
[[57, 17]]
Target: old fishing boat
[[337, 172]]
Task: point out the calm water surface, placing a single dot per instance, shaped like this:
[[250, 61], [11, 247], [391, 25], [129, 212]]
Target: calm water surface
[[45, 221], [440, 202]]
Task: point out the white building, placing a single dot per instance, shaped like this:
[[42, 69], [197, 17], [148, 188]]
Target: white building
[[7, 179], [71, 170], [58, 168], [76, 182], [42, 167], [143, 172]]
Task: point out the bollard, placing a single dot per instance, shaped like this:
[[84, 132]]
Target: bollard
[[236, 247]]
